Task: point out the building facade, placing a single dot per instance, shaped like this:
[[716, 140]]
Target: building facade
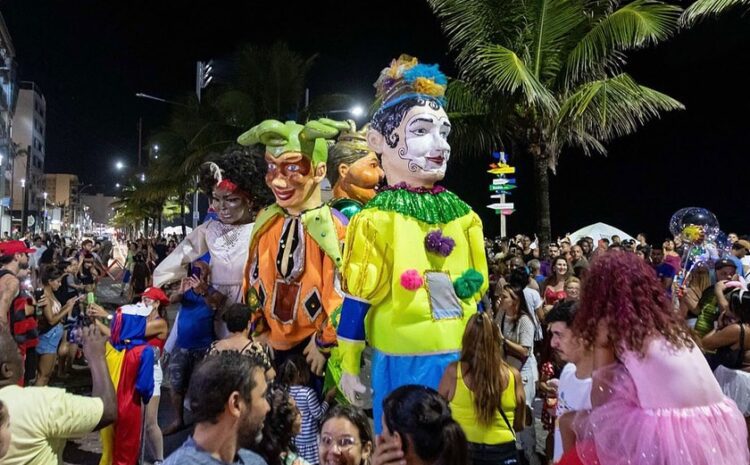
[[62, 199], [97, 209], [8, 97], [29, 129]]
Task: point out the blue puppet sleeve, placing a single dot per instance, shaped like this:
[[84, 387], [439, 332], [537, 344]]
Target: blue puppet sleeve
[[144, 382]]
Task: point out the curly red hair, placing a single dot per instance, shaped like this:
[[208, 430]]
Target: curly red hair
[[622, 290]]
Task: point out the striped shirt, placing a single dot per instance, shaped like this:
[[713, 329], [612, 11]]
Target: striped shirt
[[312, 411]]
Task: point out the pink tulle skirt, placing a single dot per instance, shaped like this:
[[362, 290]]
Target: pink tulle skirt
[[624, 433]]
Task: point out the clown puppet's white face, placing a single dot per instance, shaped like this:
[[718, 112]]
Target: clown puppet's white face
[[417, 151]]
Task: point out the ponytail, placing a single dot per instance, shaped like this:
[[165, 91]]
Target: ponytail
[[455, 448]]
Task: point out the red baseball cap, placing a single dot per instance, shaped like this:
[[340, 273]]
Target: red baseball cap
[[155, 293], [14, 247]]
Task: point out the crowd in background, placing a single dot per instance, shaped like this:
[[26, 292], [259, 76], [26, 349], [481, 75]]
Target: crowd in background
[[522, 368]]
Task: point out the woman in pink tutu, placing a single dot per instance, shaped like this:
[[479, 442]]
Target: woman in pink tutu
[[655, 400]]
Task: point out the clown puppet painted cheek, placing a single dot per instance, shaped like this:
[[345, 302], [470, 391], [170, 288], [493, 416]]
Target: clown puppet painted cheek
[[231, 206], [359, 180], [291, 178], [420, 157]]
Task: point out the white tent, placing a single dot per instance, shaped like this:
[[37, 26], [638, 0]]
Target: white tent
[[599, 231], [177, 230]]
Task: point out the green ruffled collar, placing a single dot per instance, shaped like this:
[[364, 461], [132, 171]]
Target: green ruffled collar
[[432, 206]]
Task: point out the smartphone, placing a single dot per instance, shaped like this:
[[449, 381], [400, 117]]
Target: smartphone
[[38, 293], [90, 298], [196, 272]]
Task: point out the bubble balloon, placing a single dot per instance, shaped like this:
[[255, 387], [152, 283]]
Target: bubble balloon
[[694, 224]]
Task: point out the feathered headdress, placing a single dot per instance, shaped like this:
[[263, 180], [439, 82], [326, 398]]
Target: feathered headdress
[[406, 78]]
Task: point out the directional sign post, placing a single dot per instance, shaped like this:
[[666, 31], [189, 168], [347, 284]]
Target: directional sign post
[[500, 187]]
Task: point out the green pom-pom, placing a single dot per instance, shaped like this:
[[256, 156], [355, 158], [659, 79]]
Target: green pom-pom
[[468, 283]]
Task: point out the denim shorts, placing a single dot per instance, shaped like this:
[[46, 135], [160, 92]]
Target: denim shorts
[[49, 341], [181, 365]]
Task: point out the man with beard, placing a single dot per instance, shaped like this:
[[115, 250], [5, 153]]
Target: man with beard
[[228, 401], [15, 311], [14, 255]]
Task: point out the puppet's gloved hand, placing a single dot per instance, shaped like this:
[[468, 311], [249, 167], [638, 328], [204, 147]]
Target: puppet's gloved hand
[[354, 390], [315, 359]]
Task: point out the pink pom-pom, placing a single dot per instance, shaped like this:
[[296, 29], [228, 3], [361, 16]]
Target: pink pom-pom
[[411, 280]]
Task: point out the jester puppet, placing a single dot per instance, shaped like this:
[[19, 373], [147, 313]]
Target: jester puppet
[[414, 268], [353, 170], [130, 361], [295, 249]]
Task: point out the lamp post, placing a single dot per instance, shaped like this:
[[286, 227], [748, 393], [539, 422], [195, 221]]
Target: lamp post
[[203, 78], [44, 223], [23, 207]]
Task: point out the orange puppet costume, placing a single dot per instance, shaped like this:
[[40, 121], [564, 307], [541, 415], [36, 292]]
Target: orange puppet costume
[[291, 274]]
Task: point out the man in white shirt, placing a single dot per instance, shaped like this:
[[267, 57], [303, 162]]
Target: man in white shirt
[[574, 389]]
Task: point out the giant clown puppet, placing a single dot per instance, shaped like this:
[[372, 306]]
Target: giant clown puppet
[[292, 274], [414, 268]]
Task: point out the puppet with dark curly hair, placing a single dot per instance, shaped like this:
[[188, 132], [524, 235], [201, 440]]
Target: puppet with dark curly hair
[[228, 180]]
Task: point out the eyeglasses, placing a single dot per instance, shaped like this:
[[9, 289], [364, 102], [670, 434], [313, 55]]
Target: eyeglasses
[[343, 442]]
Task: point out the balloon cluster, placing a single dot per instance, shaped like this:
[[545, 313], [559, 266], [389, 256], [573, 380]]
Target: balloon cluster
[[704, 241]]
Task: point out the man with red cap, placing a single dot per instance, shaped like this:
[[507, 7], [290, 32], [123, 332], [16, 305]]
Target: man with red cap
[[14, 256], [15, 311]]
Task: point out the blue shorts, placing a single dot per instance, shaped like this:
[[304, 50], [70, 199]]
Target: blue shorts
[[390, 372], [49, 341]]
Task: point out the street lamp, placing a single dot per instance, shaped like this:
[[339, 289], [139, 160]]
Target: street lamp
[[119, 165], [44, 224], [23, 207], [356, 111]]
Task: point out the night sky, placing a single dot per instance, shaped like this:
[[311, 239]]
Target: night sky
[[91, 57]]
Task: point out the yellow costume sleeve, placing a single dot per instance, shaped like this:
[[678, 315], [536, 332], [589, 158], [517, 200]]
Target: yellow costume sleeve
[[366, 256], [366, 281]]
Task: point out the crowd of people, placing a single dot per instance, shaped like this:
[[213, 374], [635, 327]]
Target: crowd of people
[[526, 365]]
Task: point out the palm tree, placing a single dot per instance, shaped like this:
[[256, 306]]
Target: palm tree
[[540, 76]]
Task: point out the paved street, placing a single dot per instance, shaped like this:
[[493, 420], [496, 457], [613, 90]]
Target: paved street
[[87, 450]]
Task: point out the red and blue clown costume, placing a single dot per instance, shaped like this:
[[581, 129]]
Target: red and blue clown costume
[[130, 361]]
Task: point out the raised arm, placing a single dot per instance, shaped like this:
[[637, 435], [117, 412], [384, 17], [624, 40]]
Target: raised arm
[[172, 268]]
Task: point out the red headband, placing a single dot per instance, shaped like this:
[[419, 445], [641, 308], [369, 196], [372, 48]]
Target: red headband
[[232, 187]]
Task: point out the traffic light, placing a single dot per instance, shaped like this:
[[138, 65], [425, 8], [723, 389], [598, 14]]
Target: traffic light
[[203, 76]]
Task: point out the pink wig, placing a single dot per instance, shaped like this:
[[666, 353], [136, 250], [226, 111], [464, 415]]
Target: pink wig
[[622, 291]]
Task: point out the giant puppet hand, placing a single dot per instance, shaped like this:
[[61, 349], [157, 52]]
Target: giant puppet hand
[[315, 359], [356, 392]]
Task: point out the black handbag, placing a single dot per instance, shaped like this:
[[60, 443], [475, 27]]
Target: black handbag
[[728, 357]]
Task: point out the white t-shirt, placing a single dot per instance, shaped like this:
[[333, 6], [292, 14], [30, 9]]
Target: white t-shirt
[[533, 302], [573, 394]]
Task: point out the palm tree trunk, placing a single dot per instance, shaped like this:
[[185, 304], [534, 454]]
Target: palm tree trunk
[[182, 215], [541, 181]]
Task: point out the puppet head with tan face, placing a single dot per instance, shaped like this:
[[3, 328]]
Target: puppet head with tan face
[[353, 169]]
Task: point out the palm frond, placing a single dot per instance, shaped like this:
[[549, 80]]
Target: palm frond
[[613, 107], [553, 23], [635, 25], [705, 8], [462, 99], [469, 24], [504, 71]]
